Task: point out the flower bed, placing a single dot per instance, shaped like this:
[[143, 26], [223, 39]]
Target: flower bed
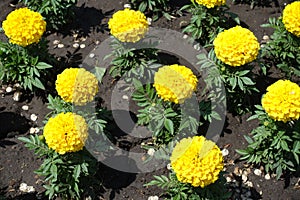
[[74, 45]]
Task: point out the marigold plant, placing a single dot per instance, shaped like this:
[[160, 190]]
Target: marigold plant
[[197, 161], [211, 3], [236, 46], [175, 83], [24, 27], [291, 18], [76, 85], [66, 132], [128, 25], [282, 101]]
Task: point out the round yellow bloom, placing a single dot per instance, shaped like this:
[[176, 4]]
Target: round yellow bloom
[[197, 161], [211, 3], [282, 101], [236, 46], [175, 83], [24, 27], [128, 25], [291, 18], [66, 132], [76, 85]]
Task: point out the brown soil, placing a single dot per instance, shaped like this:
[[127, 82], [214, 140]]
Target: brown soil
[[17, 162]]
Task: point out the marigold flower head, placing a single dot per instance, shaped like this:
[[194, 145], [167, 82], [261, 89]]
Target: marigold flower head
[[24, 27], [197, 161], [291, 18], [76, 85], [236, 46], [66, 132], [282, 101], [175, 83], [211, 3], [128, 25]]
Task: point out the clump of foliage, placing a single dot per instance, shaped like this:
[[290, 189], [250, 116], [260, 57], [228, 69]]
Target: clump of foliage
[[56, 12], [153, 8]]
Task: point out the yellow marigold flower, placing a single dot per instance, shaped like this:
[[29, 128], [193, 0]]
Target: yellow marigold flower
[[66, 132], [236, 46], [282, 101], [76, 85], [211, 3], [175, 83], [197, 161], [128, 25], [24, 27], [291, 18]]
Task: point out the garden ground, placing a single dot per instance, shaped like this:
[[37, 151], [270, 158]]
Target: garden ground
[[89, 28]]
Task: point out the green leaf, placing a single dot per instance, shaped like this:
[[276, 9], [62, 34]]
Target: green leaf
[[240, 83], [43, 65], [169, 125], [37, 83], [99, 73], [77, 172], [248, 139], [242, 152], [247, 81], [143, 6], [284, 145]]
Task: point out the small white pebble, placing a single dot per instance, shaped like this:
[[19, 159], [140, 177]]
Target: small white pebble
[[60, 46], [149, 20], [25, 107], [80, 65], [88, 198], [225, 152], [56, 42], [249, 184], [125, 97], [244, 178], [23, 187], [257, 172], [228, 179], [260, 192], [9, 89], [151, 152], [169, 167], [127, 5], [262, 46], [265, 37], [75, 45], [185, 36], [92, 55], [32, 130], [36, 130], [33, 117], [17, 96], [267, 177], [82, 46], [153, 198], [197, 47], [97, 42], [30, 189], [17, 85]]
